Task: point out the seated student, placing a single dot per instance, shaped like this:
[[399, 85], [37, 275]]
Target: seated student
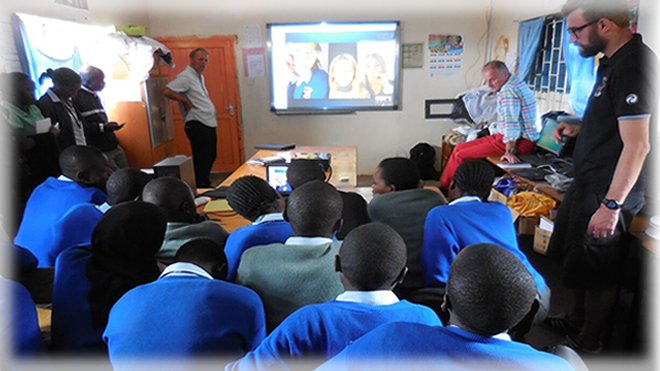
[[467, 220], [84, 173], [176, 200], [401, 202], [188, 311], [19, 326], [371, 261], [299, 272], [255, 200], [354, 212], [76, 226], [488, 291], [121, 257]]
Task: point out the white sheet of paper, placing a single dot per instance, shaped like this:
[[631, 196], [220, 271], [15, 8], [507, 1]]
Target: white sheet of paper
[[42, 125]]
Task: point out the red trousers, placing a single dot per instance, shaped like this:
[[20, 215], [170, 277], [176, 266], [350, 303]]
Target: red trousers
[[491, 145]]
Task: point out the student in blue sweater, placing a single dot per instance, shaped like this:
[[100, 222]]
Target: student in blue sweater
[[84, 174], [20, 336], [189, 311], [371, 262], [300, 271], [255, 200], [76, 226], [488, 291], [469, 219], [177, 201]]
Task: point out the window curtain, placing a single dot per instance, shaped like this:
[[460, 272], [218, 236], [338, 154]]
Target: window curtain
[[529, 39], [581, 75], [36, 59]]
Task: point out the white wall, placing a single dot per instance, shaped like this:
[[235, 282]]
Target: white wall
[[376, 134]]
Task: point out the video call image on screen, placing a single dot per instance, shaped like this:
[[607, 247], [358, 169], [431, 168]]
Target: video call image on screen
[[334, 66]]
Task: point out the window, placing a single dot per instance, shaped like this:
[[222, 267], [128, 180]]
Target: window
[[548, 73]]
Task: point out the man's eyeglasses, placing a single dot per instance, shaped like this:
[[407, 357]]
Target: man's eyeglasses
[[574, 31]]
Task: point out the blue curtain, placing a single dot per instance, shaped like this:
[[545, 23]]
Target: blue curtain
[[529, 39], [581, 75], [38, 62]]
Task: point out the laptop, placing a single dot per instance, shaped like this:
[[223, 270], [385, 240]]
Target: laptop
[[549, 150], [276, 177]]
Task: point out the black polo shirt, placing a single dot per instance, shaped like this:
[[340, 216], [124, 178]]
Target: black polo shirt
[[624, 89]]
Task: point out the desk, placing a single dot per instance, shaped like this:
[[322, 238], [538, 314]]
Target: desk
[[343, 161]]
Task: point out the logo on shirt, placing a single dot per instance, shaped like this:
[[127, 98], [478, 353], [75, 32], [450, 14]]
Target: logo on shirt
[[631, 99], [601, 87]]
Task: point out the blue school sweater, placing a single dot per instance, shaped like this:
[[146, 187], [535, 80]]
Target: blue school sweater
[[449, 229], [317, 332], [75, 227], [47, 204], [71, 319], [243, 238], [415, 346], [184, 315], [19, 326]]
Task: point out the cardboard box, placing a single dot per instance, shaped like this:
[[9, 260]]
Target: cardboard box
[[541, 240], [527, 224], [496, 195]]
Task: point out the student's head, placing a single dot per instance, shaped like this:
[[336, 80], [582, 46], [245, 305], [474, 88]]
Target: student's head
[[375, 65], [199, 59], [305, 56], [300, 172], [372, 257], [93, 78], [495, 74], [85, 165], [395, 174], [489, 290], [314, 210], [66, 82], [206, 254], [126, 185], [252, 197], [17, 88], [472, 178], [342, 71], [591, 23], [173, 196]]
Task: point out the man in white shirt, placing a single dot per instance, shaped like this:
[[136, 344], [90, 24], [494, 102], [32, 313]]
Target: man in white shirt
[[189, 89]]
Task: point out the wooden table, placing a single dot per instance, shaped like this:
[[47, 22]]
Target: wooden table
[[343, 161]]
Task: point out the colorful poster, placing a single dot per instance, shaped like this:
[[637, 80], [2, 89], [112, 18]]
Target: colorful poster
[[445, 55]]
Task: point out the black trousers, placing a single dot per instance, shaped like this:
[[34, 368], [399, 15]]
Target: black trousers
[[203, 141]]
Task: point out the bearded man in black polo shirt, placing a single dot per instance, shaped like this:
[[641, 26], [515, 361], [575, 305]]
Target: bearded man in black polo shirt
[[611, 148]]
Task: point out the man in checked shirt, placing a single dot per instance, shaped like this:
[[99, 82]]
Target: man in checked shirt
[[517, 126]]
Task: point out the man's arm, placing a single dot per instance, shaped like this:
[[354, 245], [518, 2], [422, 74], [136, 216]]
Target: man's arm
[[509, 107], [171, 94], [635, 137]]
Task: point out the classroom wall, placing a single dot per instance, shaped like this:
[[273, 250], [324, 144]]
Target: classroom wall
[[376, 134]]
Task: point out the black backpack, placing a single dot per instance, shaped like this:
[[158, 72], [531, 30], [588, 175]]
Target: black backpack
[[423, 155]]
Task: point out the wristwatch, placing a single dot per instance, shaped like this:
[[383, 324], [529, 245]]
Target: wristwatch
[[611, 204], [511, 150]]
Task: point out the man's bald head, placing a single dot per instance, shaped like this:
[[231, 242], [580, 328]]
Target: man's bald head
[[173, 196]]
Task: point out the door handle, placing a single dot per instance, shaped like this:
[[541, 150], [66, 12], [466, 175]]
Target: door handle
[[230, 108]]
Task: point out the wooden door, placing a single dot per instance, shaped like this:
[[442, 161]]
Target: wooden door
[[222, 84]]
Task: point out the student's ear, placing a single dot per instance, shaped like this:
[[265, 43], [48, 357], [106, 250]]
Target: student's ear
[[337, 263], [188, 208], [285, 216], [337, 227], [446, 304], [83, 177], [401, 276]]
